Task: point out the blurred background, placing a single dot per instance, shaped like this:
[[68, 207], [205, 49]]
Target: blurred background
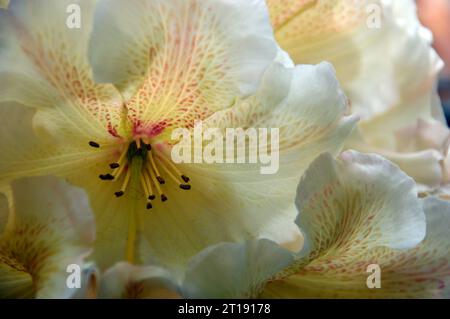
[[435, 14]]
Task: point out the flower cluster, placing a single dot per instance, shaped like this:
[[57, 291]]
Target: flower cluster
[[93, 92]]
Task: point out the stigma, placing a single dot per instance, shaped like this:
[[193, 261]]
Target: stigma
[[141, 163]]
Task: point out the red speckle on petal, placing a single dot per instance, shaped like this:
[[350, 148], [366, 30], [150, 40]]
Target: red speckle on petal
[[149, 130]]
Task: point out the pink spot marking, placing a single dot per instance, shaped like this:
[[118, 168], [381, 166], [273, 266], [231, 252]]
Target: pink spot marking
[[149, 130], [113, 131]]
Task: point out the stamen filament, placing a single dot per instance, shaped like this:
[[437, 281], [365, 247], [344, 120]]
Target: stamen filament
[[153, 164], [138, 143], [158, 188], [125, 184], [122, 157], [145, 175], [144, 185], [173, 167], [175, 179], [118, 173], [122, 160], [148, 193]]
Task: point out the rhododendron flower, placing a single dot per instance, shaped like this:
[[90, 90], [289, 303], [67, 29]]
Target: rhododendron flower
[[358, 211], [386, 65], [47, 227], [164, 65]]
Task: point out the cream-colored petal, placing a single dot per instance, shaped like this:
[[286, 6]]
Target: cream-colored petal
[[357, 203], [26, 154], [421, 272], [89, 282], [112, 215], [43, 64], [52, 228], [357, 211], [235, 202], [420, 150], [308, 108], [4, 210], [136, 282], [178, 61], [234, 270], [381, 130], [353, 35], [423, 135]]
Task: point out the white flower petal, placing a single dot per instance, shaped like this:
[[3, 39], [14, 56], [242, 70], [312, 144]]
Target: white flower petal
[[52, 228], [181, 60], [134, 282], [235, 202], [43, 64], [362, 198], [420, 272], [234, 270], [353, 34], [24, 153]]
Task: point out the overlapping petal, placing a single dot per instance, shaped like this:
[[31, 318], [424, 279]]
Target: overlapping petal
[[353, 35], [421, 272], [225, 201], [373, 218], [180, 61], [137, 282], [389, 93], [44, 65], [50, 226], [358, 211], [228, 201], [234, 270]]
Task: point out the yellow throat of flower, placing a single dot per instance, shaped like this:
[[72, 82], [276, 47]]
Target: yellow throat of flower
[[140, 162]]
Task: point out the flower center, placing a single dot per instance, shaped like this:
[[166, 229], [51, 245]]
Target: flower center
[[143, 163]]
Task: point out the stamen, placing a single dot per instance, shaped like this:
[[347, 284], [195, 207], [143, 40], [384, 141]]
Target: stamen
[[148, 183], [138, 143], [122, 157], [118, 194], [124, 185], [158, 188], [185, 178], [94, 144], [160, 180], [153, 164], [146, 190], [174, 168], [114, 165], [118, 173], [150, 175], [106, 177], [176, 180], [121, 162]]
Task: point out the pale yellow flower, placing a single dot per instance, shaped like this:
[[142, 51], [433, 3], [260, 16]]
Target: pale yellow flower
[[386, 65], [356, 212], [172, 63], [47, 226]]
